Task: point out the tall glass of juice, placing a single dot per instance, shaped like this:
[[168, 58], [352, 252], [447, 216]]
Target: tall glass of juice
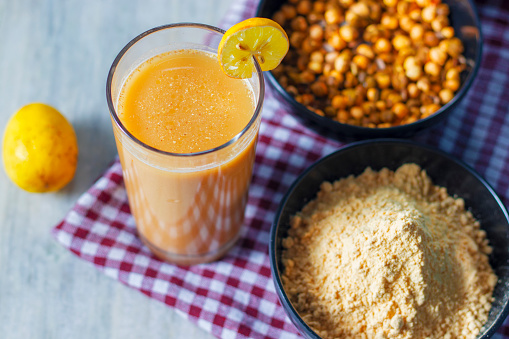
[[186, 136]]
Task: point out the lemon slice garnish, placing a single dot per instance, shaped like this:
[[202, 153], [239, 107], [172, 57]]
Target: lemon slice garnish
[[261, 38]]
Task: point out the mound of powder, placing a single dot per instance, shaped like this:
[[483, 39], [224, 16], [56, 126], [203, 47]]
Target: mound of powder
[[388, 255]]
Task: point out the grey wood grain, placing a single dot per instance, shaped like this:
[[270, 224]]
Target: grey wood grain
[[59, 52]]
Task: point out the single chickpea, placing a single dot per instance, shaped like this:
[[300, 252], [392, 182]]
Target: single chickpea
[[348, 33], [445, 95], [361, 61], [386, 116], [309, 45], [455, 47], [279, 17], [415, 14], [444, 45], [316, 67], [401, 41], [342, 116], [333, 16], [302, 62], [443, 9], [299, 23], [406, 23], [402, 7], [356, 112], [383, 80], [410, 62], [417, 32], [366, 50], [319, 88], [423, 84], [400, 110], [314, 17], [316, 32], [317, 56], [304, 7], [437, 56], [382, 45], [331, 56], [399, 80], [319, 7], [432, 69], [429, 13], [413, 73], [429, 109], [453, 84], [353, 19], [342, 63], [289, 11], [452, 74], [361, 9], [372, 94], [380, 105], [389, 21], [339, 77], [306, 77], [431, 39], [413, 90], [339, 102], [447, 32], [337, 42], [292, 90]]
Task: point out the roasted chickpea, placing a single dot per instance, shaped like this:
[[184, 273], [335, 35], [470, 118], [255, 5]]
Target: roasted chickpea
[[304, 7], [372, 63]]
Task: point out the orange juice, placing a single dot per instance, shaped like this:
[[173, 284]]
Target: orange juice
[[182, 102], [186, 136]]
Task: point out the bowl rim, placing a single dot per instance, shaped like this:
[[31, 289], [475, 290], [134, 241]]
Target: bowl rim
[[274, 267], [359, 131]]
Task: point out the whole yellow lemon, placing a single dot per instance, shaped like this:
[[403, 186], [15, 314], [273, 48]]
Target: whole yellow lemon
[[40, 150]]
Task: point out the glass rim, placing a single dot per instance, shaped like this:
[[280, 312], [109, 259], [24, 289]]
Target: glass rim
[[120, 125]]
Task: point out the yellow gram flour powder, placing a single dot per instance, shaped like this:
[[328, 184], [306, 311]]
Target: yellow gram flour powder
[[388, 255]]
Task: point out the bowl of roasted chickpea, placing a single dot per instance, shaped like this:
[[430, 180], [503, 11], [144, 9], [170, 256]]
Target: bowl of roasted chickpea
[[375, 68]]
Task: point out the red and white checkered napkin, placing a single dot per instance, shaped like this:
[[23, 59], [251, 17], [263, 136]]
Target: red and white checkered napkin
[[235, 297]]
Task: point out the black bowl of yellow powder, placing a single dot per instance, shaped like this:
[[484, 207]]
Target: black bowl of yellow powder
[[391, 239]]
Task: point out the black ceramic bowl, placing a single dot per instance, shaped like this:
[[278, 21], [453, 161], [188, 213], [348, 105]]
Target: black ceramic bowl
[[444, 170], [467, 28]]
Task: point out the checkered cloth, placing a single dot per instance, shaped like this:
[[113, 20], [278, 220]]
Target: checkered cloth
[[235, 297]]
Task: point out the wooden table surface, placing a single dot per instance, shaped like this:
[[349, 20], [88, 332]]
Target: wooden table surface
[[59, 52]]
